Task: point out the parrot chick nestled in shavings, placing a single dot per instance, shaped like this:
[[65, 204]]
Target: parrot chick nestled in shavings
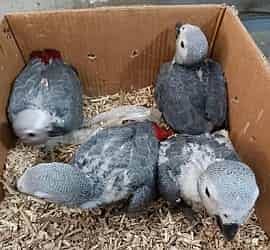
[[46, 99], [115, 164], [190, 91], [204, 171]]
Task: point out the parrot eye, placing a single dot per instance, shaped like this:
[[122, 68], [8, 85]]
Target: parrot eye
[[207, 192], [31, 134], [182, 44], [225, 215]]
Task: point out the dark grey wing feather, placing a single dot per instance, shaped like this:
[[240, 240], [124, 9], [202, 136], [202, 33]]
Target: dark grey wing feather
[[160, 85], [180, 97], [218, 143], [216, 99], [169, 167], [25, 89], [64, 98], [224, 148], [192, 99], [124, 158]]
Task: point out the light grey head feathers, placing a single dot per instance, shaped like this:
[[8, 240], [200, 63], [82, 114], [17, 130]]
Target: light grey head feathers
[[228, 190], [191, 45], [32, 126]]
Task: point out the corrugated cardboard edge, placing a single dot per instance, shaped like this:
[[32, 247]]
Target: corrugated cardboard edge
[[223, 8], [11, 62]]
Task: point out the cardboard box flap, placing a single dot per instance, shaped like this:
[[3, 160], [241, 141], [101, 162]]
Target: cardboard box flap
[[248, 75]]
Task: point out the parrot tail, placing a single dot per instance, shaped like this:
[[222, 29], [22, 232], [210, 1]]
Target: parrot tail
[[162, 133], [46, 55]]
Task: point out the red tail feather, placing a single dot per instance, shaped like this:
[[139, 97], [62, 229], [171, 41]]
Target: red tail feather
[[46, 55], [161, 133], [36, 54]]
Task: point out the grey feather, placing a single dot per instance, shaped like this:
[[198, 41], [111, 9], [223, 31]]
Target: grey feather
[[123, 158], [53, 88], [57, 182], [192, 99], [118, 163]]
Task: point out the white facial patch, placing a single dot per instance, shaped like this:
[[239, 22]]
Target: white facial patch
[[200, 158]]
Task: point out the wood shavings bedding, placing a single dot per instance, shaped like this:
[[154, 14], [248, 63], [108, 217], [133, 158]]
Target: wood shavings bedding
[[30, 223]]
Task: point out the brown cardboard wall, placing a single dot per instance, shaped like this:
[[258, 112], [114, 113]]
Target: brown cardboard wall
[[248, 76], [11, 63], [112, 48]]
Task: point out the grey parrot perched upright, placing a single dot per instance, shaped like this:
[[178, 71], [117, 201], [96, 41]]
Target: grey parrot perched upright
[[46, 99], [204, 171], [115, 164], [190, 91]]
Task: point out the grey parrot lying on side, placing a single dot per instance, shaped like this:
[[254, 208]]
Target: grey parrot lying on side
[[46, 99], [115, 164], [204, 171], [190, 91]]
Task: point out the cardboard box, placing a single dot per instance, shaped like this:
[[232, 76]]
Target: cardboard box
[[117, 48]]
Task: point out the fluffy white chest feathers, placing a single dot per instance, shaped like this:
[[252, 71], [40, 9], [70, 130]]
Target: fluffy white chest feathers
[[200, 157]]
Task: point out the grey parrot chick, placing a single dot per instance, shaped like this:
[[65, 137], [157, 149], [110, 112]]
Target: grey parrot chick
[[205, 172], [115, 164], [191, 91], [46, 99]]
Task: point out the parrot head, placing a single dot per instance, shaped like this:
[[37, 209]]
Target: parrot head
[[32, 126], [228, 191], [191, 45]]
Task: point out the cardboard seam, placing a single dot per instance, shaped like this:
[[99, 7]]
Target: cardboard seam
[[219, 21], [15, 39]]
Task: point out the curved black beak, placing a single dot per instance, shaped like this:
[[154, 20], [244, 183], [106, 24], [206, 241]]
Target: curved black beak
[[177, 28], [228, 230]]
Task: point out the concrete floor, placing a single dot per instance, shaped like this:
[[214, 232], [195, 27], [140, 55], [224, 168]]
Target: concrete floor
[[28, 5]]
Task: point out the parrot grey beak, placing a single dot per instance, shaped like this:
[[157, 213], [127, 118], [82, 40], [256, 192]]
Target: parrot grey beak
[[228, 230], [177, 27]]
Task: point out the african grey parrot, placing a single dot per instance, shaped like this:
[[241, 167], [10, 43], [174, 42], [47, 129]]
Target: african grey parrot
[[115, 164], [190, 91], [46, 99], [204, 171]]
